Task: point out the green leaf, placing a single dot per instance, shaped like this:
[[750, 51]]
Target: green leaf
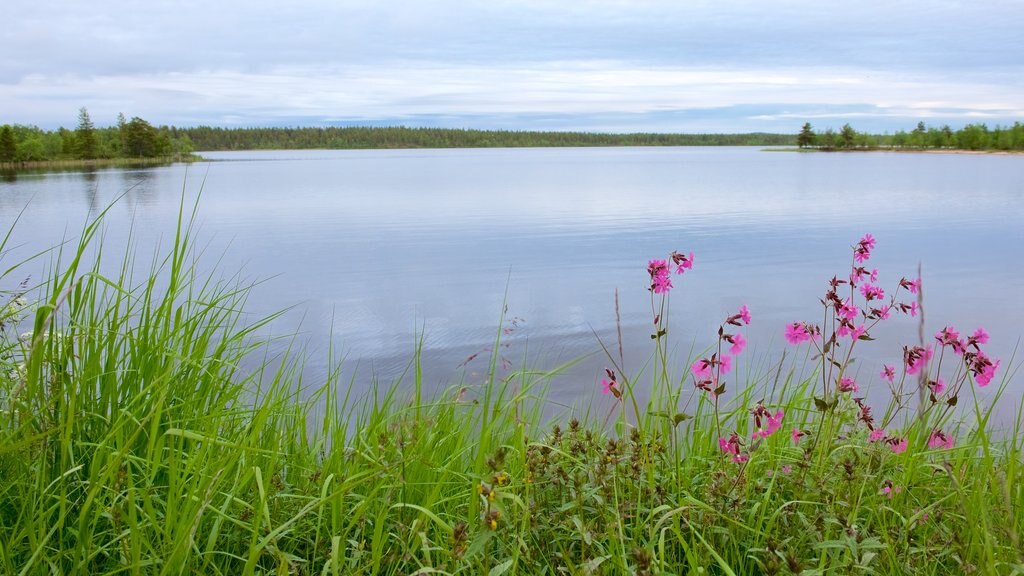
[[820, 404], [501, 568]]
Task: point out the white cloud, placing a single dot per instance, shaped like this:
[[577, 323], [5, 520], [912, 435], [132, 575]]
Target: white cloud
[[261, 63]]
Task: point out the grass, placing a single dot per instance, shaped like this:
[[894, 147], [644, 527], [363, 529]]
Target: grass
[[132, 443]]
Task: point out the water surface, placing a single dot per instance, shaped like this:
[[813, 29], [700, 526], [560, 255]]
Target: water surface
[[376, 247]]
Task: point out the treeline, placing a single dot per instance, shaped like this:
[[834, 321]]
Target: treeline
[[211, 138], [128, 139], [971, 137]]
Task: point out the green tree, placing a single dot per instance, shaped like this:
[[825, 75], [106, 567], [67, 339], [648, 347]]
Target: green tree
[[806, 137], [85, 135], [8, 145], [32, 149], [140, 139], [847, 136]]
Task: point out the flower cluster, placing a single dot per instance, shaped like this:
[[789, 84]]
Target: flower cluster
[[765, 423], [707, 371], [661, 281], [732, 445]]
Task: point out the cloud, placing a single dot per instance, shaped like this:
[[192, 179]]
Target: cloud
[[318, 62]]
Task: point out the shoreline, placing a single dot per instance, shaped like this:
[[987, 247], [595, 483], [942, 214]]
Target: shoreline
[[904, 151], [99, 163]]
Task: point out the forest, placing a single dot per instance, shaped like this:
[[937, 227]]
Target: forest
[[138, 140], [977, 137]]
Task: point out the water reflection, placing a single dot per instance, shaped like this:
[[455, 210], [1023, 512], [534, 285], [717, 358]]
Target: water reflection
[[376, 246]]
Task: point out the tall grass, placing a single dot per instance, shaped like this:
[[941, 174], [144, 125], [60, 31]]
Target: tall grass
[[132, 442]]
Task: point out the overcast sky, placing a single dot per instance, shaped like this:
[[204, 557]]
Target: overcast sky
[[603, 65]]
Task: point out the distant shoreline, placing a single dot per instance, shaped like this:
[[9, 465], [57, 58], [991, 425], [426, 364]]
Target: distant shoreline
[[71, 164], [902, 151]]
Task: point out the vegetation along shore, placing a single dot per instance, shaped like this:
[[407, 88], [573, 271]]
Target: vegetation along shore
[[132, 443], [136, 141]]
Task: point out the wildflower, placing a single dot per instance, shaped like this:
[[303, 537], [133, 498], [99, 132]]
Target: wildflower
[[912, 285], [983, 368], [609, 385], [888, 372], [702, 368], [915, 358], [862, 251], [661, 283], [876, 435], [797, 333], [765, 422], [502, 478], [848, 310], [786, 469], [848, 385], [491, 519], [745, 315], [948, 336], [908, 308], [731, 445], [937, 386], [980, 336], [872, 292], [682, 262], [725, 363], [939, 439], [796, 435], [889, 489], [881, 313], [738, 343], [897, 445]]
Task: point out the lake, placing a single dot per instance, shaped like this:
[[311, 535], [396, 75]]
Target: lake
[[376, 248]]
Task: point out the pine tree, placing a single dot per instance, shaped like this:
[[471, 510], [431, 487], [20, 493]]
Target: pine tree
[[86, 135], [806, 137], [8, 146]]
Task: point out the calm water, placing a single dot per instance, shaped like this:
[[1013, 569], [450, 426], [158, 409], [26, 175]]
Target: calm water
[[374, 247]]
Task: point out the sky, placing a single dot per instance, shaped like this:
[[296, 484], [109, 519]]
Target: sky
[[691, 66]]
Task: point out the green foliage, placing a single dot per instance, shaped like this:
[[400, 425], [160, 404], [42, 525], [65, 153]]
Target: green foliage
[[85, 135], [210, 138], [132, 443], [972, 137], [8, 145], [806, 138]]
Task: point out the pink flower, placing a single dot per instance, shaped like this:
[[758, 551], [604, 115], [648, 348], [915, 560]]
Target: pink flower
[[848, 310], [916, 358], [986, 376], [796, 333], [848, 385], [983, 368], [862, 251], [682, 262], [913, 285], [888, 372], [898, 445], [661, 283], [938, 386], [939, 439], [725, 363], [889, 490], [738, 344], [980, 336], [701, 368], [724, 444], [745, 315], [796, 435], [606, 387], [871, 292], [876, 435], [874, 274]]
